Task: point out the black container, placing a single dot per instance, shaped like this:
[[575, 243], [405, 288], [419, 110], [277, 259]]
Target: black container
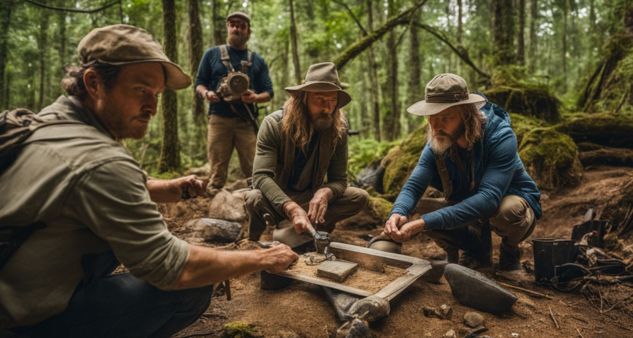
[[549, 253]]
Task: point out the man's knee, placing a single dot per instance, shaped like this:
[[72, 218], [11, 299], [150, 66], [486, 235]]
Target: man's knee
[[355, 197], [514, 220]]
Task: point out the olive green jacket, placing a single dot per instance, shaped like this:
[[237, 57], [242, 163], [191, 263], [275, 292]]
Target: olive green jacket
[[275, 156], [92, 196]]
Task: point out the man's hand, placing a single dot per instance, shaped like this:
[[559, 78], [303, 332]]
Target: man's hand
[[249, 96], [190, 186], [394, 223], [278, 258], [318, 205], [297, 216], [407, 230], [211, 96]]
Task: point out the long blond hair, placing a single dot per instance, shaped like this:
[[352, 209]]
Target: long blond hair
[[473, 120], [296, 121]]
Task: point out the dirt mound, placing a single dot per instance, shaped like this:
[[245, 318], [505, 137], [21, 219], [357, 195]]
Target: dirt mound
[[302, 310]]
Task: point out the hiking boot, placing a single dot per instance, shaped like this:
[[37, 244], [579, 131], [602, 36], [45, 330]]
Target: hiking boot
[[475, 261], [509, 257]]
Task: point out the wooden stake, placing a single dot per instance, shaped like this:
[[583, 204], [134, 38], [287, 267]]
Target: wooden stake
[[528, 291]]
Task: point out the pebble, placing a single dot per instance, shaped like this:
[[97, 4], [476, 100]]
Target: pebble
[[473, 319], [450, 334]]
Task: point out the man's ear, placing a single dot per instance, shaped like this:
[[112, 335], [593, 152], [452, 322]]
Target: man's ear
[[92, 83]]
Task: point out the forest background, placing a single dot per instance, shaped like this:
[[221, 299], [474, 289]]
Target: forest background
[[386, 51]]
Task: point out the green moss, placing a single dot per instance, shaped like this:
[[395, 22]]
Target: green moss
[[401, 160], [604, 128], [521, 124], [551, 158], [380, 207], [240, 330], [364, 152]]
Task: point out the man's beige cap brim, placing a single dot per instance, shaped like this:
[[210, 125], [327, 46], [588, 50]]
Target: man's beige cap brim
[[423, 108]]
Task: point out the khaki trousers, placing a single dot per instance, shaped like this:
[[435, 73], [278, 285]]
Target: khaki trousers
[[351, 202], [226, 133], [513, 221]]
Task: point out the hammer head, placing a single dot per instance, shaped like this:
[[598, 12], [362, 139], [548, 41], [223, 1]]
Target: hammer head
[[321, 241]]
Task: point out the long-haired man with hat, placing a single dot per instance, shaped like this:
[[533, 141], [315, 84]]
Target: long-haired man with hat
[[471, 155], [232, 115], [300, 168], [96, 209]]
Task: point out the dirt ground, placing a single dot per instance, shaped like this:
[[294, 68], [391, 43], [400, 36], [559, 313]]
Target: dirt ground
[[301, 310]]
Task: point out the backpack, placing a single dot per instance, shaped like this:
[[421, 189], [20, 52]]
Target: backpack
[[16, 126]]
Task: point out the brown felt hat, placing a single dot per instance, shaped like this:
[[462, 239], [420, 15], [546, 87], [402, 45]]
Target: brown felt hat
[[322, 77], [125, 44], [240, 15], [444, 91]]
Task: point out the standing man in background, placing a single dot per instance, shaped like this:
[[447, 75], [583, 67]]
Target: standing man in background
[[232, 79]]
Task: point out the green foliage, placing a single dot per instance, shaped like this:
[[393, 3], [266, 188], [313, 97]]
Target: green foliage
[[551, 158], [240, 330], [363, 152]]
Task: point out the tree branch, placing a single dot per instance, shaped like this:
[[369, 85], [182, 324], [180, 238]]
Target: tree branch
[[349, 11], [461, 52], [365, 42], [73, 10]]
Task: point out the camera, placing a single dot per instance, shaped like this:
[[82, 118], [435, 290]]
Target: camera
[[232, 86]]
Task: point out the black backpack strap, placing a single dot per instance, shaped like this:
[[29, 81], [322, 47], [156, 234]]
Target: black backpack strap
[[447, 186], [226, 58]]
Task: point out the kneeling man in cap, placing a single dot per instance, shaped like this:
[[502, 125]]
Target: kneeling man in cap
[[300, 168], [471, 155]]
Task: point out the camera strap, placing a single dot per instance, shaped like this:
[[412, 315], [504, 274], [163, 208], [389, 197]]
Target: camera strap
[[226, 60]]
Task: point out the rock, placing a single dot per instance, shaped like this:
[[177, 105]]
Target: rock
[[371, 177], [446, 311], [473, 319], [450, 334], [354, 328], [228, 206], [437, 271], [216, 230], [443, 312]]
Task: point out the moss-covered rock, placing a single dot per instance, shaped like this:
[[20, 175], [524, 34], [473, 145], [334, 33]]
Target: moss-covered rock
[[521, 124], [240, 330], [401, 160], [380, 208], [605, 129], [514, 94], [551, 158]]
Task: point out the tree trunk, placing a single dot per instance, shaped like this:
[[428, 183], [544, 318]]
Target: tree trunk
[[564, 44], [533, 28], [503, 32], [42, 44], [392, 118], [195, 51], [415, 92], [460, 29], [219, 24], [521, 34], [293, 42], [169, 154], [5, 21], [61, 22], [373, 76]]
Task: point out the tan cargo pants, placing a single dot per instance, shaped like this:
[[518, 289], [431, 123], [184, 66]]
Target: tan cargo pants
[[226, 133], [351, 202]]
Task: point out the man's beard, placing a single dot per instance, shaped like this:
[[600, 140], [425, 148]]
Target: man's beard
[[237, 40], [441, 141], [322, 122]]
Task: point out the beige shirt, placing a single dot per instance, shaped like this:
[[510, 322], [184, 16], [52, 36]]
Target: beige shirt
[[92, 196]]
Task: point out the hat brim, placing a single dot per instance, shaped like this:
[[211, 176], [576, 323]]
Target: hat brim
[[175, 79], [321, 86], [423, 108]]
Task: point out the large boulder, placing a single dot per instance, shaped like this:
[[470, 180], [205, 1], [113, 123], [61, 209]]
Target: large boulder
[[401, 160], [511, 91], [551, 158]]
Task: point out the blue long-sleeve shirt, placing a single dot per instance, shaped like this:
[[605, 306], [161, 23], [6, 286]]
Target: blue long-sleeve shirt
[[211, 70], [498, 172]]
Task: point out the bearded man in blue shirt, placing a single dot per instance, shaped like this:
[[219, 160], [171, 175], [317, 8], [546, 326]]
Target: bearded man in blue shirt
[[471, 155]]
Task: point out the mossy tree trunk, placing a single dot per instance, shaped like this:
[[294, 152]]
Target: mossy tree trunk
[[5, 21], [169, 153], [415, 92], [42, 42], [533, 36], [373, 76], [503, 33], [521, 33], [294, 43], [219, 24], [195, 54], [392, 117]]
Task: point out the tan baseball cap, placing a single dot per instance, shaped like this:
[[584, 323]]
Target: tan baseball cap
[[444, 91], [240, 15], [125, 44]]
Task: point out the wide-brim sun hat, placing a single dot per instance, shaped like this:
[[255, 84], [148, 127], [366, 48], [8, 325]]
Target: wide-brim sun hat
[[444, 91], [322, 77], [124, 44]]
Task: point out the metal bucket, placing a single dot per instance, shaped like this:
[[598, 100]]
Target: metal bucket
[[549, 253]]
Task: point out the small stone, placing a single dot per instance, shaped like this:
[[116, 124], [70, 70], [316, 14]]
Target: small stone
[[216, 230], [450, 334], [514, 334], [473, 319], [446, 311]]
